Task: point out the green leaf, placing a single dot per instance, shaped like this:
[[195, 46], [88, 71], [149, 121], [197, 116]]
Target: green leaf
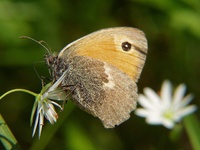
[[193, 130], [6, 136]]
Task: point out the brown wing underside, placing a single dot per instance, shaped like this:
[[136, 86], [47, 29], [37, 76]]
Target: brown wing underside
[[101, 90]]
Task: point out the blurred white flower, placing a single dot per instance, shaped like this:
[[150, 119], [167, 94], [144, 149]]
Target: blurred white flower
[[166, 109]]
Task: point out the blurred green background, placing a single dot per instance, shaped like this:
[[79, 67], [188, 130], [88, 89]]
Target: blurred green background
[[172, 28]]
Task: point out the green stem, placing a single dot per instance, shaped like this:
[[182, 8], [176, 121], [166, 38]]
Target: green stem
[[18, 90], [192, 126], [6, 136]]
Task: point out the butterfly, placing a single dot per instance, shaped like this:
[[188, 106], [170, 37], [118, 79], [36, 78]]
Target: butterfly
[[100, 71]]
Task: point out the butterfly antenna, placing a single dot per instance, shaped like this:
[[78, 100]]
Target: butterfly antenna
[[47, 48]]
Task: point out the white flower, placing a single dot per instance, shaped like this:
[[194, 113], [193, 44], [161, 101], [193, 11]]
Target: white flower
[[45, 108], [166, 109], [44, 104]]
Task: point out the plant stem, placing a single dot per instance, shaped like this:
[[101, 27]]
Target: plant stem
[[192, 127], [18, 90]]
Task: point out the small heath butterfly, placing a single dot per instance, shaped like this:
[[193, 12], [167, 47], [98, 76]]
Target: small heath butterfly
[[100, 71]]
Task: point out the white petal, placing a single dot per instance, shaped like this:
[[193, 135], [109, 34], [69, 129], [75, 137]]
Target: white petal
[[57, 94], [144, 102], [142, 112], [36, 123], [56, 104], [179, 93], [168, 123], [37, 119], [48, 113], [57, 83], [186, 100], [166, 92], [152, 96], [52, 115], [41, 123], [185, 111], [154, 119]]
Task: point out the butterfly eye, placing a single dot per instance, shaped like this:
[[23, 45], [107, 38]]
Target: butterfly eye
[[126, 46]]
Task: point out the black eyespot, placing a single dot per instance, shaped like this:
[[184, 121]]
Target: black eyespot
[[126, 46]]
